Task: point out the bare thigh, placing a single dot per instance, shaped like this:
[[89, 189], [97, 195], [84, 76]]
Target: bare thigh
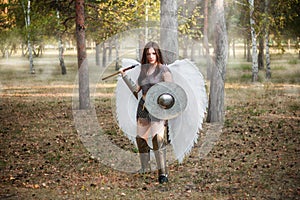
[[157, 128], [146, 128], [143, 128]]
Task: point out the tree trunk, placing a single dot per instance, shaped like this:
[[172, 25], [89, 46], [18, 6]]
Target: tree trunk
[[249, 59], [84, 92], [60, 46], [245, 48], [27, 22], [200, 49], [185, 46], [261, 54], [141, 44], [268, 63], [41, 49], [23, 50], [205, 40], [104, 54], [146, 4], [110, 50], [13, 49], [192, 51], [61, 57], [97, 54], [117, 53], [254, 47], [217, 83], [233, 48], [168, 30]]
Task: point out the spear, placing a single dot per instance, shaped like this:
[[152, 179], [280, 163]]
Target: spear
[[114, 74]]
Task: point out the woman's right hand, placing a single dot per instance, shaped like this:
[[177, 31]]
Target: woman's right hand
[[121, 70]]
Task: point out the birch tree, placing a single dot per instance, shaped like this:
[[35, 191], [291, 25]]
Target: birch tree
[[268, 62], [205, 39], [254, 46], [84, 93], [217, 83], [97, 54], [260, 19], [117, 46], [32, 70], [261, 47], [27, 25], [168, 32], [60, 46]]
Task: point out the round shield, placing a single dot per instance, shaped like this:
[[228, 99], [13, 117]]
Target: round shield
[[166, 100]]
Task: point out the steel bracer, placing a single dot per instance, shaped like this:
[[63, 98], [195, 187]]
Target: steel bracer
[[131, 85]]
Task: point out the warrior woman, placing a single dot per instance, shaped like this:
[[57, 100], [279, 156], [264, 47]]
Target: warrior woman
[[152, 72]]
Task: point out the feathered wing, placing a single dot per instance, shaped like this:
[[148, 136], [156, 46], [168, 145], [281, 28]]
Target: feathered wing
[[126, 103], [183, 130]]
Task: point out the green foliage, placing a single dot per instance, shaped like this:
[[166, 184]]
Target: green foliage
[[278, 67], [282, 19], [105, 18], [8, 41], [237, 19], [55, 18], [246, 77], [108, 18], [293, 62], [285, 12], [190, 19], [241, 66]]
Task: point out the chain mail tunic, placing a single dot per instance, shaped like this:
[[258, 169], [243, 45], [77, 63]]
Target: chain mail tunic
[[146, 84]]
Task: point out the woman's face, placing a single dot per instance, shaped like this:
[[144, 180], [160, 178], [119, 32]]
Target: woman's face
[[151, 56]]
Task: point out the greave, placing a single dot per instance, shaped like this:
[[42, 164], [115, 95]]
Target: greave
[[159, 147], [144, 151]]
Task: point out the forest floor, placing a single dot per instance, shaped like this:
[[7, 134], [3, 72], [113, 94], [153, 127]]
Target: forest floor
[[256, 156]]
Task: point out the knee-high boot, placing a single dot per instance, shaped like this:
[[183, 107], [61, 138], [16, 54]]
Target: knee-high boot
[[144, 151], [159, 147]]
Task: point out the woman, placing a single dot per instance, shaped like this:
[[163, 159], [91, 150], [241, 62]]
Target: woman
[[152, 71]]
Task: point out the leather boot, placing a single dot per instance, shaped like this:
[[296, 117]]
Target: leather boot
[[159, 147], [144, 151]]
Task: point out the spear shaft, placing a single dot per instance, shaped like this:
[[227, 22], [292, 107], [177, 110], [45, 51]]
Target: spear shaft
[[114, 74]]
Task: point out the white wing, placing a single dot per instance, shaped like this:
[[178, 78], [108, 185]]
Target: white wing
[[183, 130], [126, 103]]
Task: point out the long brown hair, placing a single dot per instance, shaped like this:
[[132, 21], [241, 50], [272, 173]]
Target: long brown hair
[[145, 62], [156, 48]]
